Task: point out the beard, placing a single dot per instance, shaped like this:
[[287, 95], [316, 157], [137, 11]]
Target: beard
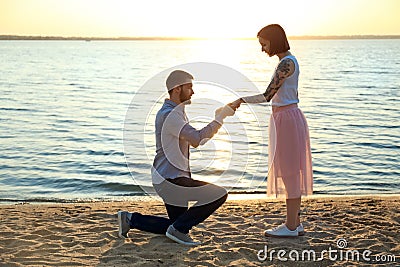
[[185, 100]]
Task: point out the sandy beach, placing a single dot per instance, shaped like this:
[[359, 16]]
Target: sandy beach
[[85, 234]]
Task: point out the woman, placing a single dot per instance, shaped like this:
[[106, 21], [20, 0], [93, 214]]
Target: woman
[[290, 165]]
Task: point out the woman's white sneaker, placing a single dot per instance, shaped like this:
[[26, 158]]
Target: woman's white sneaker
[[300, 229], [281, 231]]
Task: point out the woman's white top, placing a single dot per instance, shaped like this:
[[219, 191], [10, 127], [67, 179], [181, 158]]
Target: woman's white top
[[287, 93]]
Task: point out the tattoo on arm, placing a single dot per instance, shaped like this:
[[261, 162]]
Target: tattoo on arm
[[284, 70]]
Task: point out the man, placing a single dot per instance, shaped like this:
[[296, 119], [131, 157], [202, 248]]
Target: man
[[171, 169]]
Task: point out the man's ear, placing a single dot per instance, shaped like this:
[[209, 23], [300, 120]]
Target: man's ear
[[178, 89]]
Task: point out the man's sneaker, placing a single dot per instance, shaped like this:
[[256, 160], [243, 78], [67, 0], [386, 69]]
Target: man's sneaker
[[179, 237], [281, 231], [300, 229], [124, 224]]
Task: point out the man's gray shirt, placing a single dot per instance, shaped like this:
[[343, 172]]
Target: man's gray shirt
[[174, 135]]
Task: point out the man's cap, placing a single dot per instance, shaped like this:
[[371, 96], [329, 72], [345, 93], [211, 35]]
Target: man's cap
[[177, 78]]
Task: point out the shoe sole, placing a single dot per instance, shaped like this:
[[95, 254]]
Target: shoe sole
[[120, 225], [282, 236], [174, 238], [301, 233]]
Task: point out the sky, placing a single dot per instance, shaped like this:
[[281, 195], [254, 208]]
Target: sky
[[198, 19]]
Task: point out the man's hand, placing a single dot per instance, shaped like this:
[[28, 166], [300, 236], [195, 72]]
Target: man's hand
[[223, 112]]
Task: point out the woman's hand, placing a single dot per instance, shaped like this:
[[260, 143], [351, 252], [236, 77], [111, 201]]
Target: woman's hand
[[236, 104]]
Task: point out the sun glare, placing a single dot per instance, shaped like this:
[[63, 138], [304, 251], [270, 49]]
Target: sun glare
[[204, 19]]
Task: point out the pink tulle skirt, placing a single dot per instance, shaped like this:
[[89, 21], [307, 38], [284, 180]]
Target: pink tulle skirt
[[290, 172]]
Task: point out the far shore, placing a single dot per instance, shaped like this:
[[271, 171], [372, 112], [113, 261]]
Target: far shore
[[159, 38]]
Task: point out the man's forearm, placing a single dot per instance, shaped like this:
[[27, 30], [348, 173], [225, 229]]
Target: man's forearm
[[200, 137]]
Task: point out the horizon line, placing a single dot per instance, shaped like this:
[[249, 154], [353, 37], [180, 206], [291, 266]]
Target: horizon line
[[172, 38]]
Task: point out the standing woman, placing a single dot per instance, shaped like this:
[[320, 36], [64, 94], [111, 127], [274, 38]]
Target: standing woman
[[290, 166]]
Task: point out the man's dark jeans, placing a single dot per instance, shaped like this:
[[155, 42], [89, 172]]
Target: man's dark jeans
[[182, 217]]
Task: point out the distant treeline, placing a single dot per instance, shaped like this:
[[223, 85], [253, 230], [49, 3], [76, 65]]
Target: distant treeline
[[19, 37], [308, 37], [332, 37]]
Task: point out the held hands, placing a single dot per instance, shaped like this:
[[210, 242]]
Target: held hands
[[236, 104], [227, 110]]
